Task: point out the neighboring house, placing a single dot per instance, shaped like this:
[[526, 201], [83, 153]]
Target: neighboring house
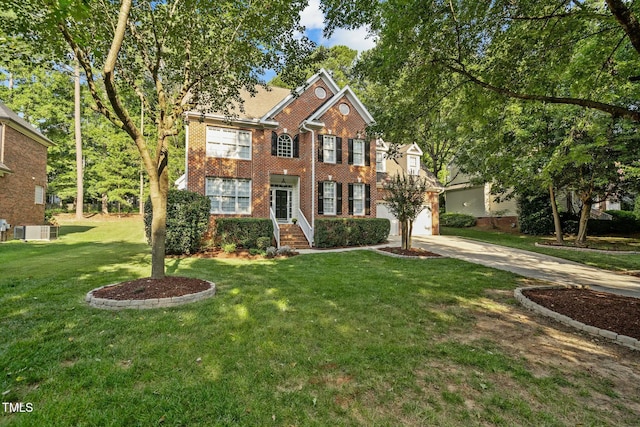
[[289, 155], [23, 170], [408, 161], [464, 196]]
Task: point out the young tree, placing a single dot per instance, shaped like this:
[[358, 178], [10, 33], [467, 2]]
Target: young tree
[[405, 197], [175, 56]]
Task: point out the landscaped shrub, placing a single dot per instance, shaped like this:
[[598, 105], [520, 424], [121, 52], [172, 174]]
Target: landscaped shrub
[[187, 221], [244, 232], [458, 220], [263, 243], [336, 232], [535, 215], [623, 222]]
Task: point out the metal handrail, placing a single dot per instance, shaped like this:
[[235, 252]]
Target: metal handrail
[[276, 227], [306, 227]]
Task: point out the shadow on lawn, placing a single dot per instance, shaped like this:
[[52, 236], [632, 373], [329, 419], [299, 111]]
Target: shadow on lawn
[[72, 229]]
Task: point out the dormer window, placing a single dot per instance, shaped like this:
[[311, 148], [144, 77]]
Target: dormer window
[[413, 165]]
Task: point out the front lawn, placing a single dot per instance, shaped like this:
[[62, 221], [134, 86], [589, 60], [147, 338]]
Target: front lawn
[[609, 261], [352, 338]]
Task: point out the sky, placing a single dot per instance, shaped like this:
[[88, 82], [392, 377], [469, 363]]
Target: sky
[[312, 19]]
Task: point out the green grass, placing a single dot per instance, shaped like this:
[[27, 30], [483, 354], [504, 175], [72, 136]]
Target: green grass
[[353, 338], [609, 261]]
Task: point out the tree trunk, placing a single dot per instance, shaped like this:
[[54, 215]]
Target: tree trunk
[[556, 216], [585, 212], [409, 233], [158, 192], [405, 236], [78, 138], [105, 204]]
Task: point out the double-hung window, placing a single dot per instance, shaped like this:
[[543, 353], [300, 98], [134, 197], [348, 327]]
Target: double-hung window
[[358, 199], [329, 196], [413, 165], [358, 152], [39, 195], [381, 165], [329, 149], [228, 143], [229, 196]]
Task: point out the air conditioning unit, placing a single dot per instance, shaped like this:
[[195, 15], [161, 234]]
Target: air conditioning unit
[[35, 232]]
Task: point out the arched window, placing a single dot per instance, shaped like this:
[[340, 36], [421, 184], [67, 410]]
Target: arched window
[[285, 146]]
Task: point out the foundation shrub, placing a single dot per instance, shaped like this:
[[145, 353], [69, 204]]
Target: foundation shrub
[[243, 232], [336, 232]]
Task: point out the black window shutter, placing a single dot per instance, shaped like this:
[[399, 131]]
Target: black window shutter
[[274, 143], [296, 146], [320, 198], [350, 155], [338, 198], [320, 149], [367, 153], [367, 199], [338, 150], [350, 199]]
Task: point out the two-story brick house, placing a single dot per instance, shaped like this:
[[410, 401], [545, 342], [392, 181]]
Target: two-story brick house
[[292, 156], [23, 170]]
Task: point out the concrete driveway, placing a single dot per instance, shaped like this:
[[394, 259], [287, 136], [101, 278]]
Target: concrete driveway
[[530, 264]]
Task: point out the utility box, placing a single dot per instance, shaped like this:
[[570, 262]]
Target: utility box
[[35, 232], [4, 228]]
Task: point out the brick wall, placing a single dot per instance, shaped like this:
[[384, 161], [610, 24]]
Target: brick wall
[[28, 160], [263, 165]]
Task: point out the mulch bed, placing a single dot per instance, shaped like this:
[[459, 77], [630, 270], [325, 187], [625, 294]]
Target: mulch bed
[[603, 310], [413, 252], [147, 288]]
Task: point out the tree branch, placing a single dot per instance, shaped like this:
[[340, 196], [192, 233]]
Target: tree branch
[[613, 110], [627, 21]]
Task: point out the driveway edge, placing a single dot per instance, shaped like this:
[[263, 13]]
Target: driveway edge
[[617, 338]]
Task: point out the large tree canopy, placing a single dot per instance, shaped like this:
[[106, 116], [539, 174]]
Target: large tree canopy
[[584, 53], [172, 56]]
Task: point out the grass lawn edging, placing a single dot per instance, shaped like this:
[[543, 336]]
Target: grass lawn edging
[[617, 338], [112, 304], [575, 248]]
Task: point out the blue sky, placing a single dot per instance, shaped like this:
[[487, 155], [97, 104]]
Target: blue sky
[[312, 19]]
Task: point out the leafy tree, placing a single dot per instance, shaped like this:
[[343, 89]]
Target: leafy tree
[[338, 60], [175, 56], [405, 197], [583, 53]]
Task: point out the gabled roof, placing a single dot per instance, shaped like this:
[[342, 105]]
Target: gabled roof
[[320, 75], [412, 149], [348, 93], [9, 117]]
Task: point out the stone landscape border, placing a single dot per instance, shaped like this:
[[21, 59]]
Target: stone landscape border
[[617, 338], [597, 251], [391, 254], [140, 304]]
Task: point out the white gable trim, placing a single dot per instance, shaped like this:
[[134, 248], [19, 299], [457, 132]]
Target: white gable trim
[[381, 145], [414, 150], [322, 74], [348, 93]]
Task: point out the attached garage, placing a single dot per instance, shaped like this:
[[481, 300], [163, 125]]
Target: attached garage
[[422, 226]]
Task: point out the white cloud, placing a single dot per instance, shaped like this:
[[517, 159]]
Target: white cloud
[[356, 39], [311, 17]]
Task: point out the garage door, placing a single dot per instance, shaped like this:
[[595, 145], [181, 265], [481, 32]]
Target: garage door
[[421, 226]]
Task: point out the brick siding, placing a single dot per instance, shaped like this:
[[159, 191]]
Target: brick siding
[[28, 161]]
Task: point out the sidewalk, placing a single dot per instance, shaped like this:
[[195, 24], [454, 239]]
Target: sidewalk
[[530, 264]]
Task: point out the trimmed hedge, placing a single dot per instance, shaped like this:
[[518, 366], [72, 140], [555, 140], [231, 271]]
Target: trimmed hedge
[[623, 223], [187, 221], [458, 220], [336, 232], [243, 232]]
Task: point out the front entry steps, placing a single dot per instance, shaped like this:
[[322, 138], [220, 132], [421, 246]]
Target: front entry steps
[[291, 235]]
